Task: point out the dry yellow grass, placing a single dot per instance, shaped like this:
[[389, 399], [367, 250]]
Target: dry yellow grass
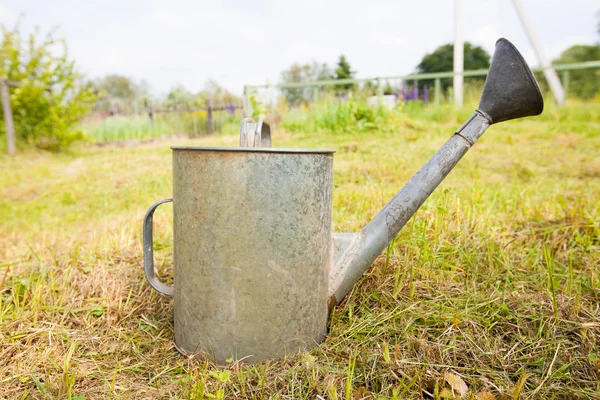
[[495, 283]]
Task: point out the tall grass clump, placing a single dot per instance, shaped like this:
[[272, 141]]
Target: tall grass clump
[[132, 127], [123, 128], [337, 116]]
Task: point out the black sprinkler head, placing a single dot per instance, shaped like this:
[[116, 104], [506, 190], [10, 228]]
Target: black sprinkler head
[[510, 90]]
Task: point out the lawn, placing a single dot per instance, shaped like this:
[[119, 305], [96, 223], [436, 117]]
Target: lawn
[[493, 287]]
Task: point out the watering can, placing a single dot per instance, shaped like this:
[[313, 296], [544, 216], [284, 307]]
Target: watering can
[[256, 267]]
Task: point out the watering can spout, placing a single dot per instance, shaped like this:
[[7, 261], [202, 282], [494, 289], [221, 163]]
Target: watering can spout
[[510, 92]]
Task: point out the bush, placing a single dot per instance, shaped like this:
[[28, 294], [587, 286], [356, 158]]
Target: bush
[[47, 100]]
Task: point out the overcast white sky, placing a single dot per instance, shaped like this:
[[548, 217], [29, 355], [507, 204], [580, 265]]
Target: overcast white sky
[[240, 42]]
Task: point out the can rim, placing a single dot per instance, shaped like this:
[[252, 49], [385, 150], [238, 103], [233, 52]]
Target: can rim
[[254, 149]]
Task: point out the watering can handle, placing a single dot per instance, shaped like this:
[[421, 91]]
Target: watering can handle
[[149, 252]]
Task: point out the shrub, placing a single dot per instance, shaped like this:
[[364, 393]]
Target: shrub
[[47, 100]]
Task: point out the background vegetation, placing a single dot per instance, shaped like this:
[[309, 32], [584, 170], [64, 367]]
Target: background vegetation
[[491, 290], [49, 100]]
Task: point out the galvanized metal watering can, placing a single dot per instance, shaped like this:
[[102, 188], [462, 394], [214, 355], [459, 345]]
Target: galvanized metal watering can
[[256, 267]]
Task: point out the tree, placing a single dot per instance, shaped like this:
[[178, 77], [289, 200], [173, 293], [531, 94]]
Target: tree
[[178, 98], [49, 98], [217, 94], [442, 60], [118, 87], [344, 71], [297, 73], [118, 93], [583, 83]]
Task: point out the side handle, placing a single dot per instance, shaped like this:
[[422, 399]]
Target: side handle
[[149, 252]]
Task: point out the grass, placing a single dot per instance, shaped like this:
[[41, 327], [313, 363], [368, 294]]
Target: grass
[[135, 127], [495, 283]]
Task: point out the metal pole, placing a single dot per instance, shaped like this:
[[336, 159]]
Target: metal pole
[[566, 75], [438, 91], [550, 74], [8, 118], [459, 50]]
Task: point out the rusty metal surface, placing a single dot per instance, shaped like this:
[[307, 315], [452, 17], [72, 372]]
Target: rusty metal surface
[[364, 247], [252, 250]]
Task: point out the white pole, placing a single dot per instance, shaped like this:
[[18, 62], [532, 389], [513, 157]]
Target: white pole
[[459, 50], [8, 117], [551, 76]]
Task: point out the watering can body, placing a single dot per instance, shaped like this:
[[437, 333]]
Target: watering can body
[[256, 266], [252, 250]]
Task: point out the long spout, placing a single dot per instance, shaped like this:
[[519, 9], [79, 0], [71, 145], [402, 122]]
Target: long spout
[[364, 247], [510, 91]]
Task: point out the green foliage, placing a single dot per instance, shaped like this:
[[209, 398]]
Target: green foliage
[[442, 60], [121, 127], [119, 87], [583, 83], [179, 98], [48, 101], [334, 116], [217, 94], [303, 73], [388, 89], [117, 93], [299, 73], [258, 108], [344, 71]]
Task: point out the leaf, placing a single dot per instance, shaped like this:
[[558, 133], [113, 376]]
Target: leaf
[[485, 395], [446, 393], [456, 383], [97, 311], [224, 376]]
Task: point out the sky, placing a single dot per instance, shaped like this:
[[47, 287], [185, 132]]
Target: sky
[[236, 42]]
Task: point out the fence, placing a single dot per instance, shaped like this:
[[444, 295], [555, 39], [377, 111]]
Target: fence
[[211, 124], [564, 69], [206, 119]]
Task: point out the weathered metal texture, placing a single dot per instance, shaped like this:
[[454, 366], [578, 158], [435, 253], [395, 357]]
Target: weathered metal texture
[[149, 252], [252, 232], [510, 90], [364, 247], [255, 134]]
